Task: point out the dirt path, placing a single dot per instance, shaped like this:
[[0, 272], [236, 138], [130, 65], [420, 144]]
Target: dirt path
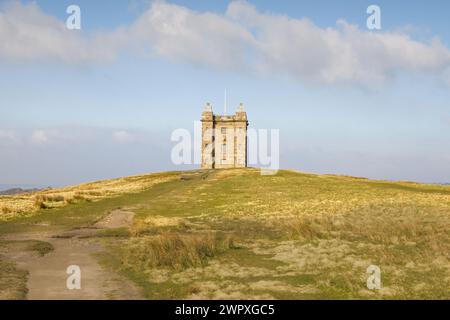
[[47, 274]]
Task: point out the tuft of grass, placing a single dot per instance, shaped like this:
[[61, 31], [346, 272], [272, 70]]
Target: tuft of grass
[[41, 247], [6, 210], [175, 251], [39, 203], [113, 233], [52, 197]]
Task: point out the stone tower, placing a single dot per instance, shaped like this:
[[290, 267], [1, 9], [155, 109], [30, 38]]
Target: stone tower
[[224, 139]]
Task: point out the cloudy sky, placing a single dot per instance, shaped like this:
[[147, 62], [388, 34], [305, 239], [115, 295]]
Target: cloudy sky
[[101, 102]]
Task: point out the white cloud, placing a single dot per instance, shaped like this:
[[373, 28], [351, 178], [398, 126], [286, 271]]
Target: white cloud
[[243, 38], [8, 137], [28, 34], [178, 33], [341, 54], [79, 135], [40, 137], [123, 136]]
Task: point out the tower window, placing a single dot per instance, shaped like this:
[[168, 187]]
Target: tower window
[[224, 151], [223, 130]]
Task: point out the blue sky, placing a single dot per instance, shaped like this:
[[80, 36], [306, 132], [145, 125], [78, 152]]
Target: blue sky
[[102, 101]]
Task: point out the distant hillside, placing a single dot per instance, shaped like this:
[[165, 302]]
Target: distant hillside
[[4, 187], [14, 191]]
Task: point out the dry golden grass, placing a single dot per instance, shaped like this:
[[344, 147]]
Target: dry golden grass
[[172, 250], [27, 204]]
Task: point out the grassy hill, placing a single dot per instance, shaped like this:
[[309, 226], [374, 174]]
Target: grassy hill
[[237, 234]]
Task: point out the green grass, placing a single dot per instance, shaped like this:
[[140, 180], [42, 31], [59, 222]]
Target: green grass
[[293, 236], [12, 282]]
